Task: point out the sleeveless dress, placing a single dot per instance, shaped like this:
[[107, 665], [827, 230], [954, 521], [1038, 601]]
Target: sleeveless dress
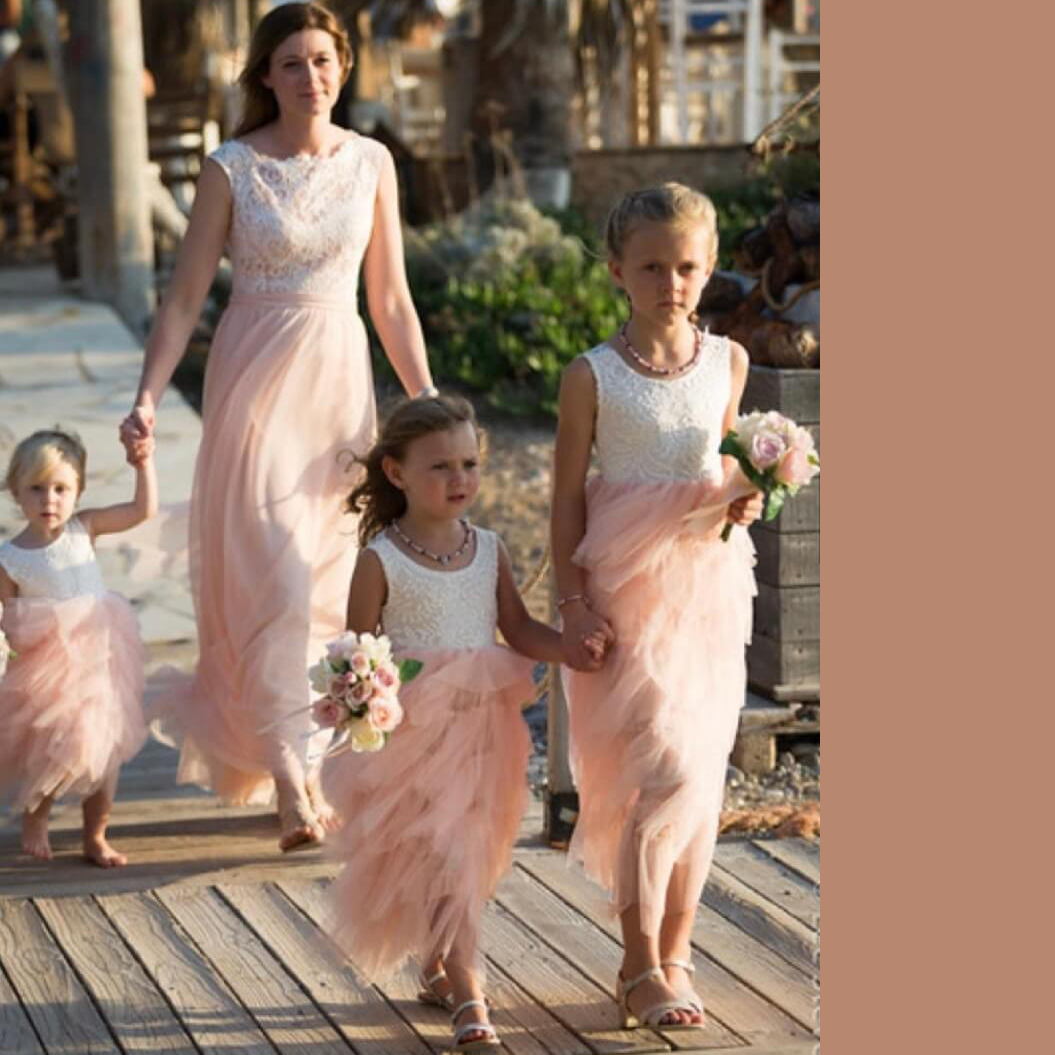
[[429, 821], [650, 733], [287, 401], [71, 699]]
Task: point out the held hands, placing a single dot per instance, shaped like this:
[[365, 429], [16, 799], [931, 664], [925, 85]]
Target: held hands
[[586, 637], [137, 434]]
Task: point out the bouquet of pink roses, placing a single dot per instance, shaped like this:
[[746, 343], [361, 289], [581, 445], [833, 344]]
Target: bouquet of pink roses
[[775, 454], [359, 682]]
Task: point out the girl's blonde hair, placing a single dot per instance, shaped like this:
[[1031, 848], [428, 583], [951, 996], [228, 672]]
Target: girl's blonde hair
[[377, 500], [259, 105], [670, 203], [40, 452]]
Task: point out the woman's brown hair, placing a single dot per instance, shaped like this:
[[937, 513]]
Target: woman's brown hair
[[259, 106], [377, 500]]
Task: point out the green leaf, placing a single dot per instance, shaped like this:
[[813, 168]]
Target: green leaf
[[774, 502], [409, 669]]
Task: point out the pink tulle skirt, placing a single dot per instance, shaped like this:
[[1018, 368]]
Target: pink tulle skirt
[[71, 701], [288, 400], [431, 819], [652, 730]]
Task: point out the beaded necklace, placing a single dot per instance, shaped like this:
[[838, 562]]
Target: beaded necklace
[[664, 371], [439, 558]]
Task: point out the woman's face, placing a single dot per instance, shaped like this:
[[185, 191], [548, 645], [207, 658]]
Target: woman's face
[[305, 73]]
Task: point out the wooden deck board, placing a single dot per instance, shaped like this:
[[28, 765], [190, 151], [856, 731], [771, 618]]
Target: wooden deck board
[[212, 942], [745, 1012], [138, 1015], [62, 1013]]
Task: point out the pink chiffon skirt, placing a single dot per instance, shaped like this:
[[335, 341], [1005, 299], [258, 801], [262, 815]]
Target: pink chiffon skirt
[[288, 401], [429, 822], [71, 700], [652, 730]]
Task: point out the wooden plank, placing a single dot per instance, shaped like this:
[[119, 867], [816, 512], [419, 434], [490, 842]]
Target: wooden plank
[[788, 613], [800, 854], [787, 559], [783, 886], [356, 1010], [583, 1007], [16, 1031], [205, 1005], [524, 1027], [776, 1001], [277, 1003], [758, 916], [137, 1014], [62, 1013], [593, 951]]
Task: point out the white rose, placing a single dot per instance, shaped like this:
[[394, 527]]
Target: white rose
[[364, 737]]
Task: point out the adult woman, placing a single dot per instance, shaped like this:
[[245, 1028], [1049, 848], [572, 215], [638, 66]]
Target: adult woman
[[288, 393]]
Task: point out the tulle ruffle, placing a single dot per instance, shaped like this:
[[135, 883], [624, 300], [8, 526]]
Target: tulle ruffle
[[71, 701], [652, 730], [430, 820]]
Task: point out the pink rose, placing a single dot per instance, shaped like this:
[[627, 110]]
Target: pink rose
[[767, 448], [328, 713], [362, 691], [360, 663], [795, 469], [386, 679], [385, 713], [803, 440]]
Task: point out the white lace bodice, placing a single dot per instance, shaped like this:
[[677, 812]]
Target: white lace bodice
[[64, 569], [429, 608], [300, 224], [660, 429]]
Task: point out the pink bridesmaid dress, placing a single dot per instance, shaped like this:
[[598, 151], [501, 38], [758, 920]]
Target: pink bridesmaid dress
[[651, 732], [431, 819], [71, 709], [288, 400]]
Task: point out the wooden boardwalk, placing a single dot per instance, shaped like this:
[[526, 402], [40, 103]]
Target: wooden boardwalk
[[210, 941]]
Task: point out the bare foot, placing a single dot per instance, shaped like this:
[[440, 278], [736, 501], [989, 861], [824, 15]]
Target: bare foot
[[325, 814], [98, 851], [35, 835], [300, 826]]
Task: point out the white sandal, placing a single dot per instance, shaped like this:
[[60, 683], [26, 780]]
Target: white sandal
[[652, 1017], [429, 993], [489, 1042], [689, 995]]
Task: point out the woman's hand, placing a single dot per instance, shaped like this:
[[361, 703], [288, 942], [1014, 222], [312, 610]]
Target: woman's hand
[[586, 636], [746, 510], [137, 433]]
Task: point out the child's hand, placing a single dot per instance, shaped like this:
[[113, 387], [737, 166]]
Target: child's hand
[[586, 637], [746, 510], [140, 452]]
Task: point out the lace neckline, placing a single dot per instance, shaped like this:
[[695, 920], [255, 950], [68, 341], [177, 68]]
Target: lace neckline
[[663, 380], [437, 571], [40, 549], [274, 159]]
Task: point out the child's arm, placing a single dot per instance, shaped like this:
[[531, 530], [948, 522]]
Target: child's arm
[[571, 459], [366, 594], [749, 508], [109, 520], [8, 590], [523, 632]]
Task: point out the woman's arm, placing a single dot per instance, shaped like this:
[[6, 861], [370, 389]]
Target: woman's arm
[[387, 293], [577, 408], [8, 590], [196, 264], [109, 520], [366, 594]]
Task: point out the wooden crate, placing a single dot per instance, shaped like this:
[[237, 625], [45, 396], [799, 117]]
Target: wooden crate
[[783, 660]]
